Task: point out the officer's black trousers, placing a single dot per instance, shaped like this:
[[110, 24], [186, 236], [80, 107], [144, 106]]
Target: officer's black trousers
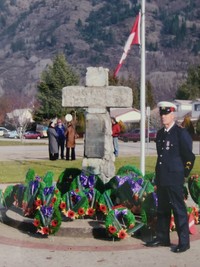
[[171, 199]]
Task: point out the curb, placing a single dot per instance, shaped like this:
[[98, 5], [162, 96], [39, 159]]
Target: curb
[[82, 228]]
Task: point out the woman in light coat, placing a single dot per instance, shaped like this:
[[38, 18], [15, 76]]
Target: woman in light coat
[[70, 141]]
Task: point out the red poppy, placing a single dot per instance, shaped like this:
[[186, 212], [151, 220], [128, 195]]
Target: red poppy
[[36, 222], [71, 214], [122, 234], [53, 200], [131, 226], [90, 212], [63, 205], [112, 229], [81, 211], [103, 208], [54, 223], [38, 202], [45, 230], [76, 190]]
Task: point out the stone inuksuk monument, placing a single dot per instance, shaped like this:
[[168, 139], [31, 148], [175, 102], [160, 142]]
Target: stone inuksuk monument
[[98, 97]]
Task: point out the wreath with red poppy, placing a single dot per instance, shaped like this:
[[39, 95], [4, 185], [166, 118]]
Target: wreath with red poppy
[[194, 188], [47, 217], [105, 202], [119, 222], [74, 204]]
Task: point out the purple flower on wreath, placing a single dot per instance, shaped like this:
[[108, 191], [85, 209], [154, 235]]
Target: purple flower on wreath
[[83, 179], [90, 194], [155, 198], [135, 187], [119, 213], [87, 181], [48, 190], [140, 181], [34, 186], [75, 197], [38, 178], [46, 211], [122, 180], [21, 188], [91, 181]]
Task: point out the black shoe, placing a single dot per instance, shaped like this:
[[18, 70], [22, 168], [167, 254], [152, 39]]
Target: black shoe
[[157, 243], [179, 248]]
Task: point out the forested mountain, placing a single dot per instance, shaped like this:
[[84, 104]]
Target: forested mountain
[[93, 33]]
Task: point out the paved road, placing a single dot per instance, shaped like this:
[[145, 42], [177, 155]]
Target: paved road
[[39, 152]]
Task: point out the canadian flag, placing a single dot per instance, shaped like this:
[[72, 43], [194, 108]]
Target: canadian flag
[[133, 39]]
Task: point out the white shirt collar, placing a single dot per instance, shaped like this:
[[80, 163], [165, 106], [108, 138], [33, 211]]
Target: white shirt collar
[[168, 129]]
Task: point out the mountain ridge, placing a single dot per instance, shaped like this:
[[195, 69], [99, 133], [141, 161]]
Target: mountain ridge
[[93, 33]]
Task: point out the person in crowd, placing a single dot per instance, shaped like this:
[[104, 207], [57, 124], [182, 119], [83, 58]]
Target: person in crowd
[[115, 133], [53, 141], [187, 124], [70, 141], [60, 129], [174, 162]]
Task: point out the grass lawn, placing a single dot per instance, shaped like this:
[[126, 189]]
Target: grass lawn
[[15, 171]]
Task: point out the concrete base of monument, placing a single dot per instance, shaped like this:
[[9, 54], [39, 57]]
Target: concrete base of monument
[[77, 228]]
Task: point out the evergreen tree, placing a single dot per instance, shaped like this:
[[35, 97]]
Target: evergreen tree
[[57, 76], [190, 89], [149, 95], [130, 82]]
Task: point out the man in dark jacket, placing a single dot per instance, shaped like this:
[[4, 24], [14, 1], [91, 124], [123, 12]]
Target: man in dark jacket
[[60, 129], [174, 163]]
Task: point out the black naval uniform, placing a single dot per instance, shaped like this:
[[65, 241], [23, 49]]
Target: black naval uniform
[[174, 163]]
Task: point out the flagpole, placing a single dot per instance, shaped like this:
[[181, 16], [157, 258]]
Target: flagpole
[[142, 91]]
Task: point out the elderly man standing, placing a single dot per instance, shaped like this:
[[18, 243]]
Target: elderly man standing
[[174, 163]]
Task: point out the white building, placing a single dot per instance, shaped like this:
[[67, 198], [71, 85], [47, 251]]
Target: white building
[[196, 109], [184, 107], [126, 115]]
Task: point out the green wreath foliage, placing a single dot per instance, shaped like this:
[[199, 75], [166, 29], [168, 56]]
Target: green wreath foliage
[[119, 222], [74, 204], [128, 169], [50, 224], [194, 188], [65, 179]]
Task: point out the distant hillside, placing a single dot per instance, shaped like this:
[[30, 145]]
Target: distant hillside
[[93, 33]]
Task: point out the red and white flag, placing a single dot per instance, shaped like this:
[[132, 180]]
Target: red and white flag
[[191, 221], [133, 39]]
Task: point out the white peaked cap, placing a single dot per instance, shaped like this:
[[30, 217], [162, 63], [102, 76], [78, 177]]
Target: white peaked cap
[[166, 104]]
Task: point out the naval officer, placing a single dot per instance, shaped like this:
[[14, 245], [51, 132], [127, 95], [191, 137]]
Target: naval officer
[[174, 163]]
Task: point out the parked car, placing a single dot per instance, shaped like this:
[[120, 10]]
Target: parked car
[[134, 135], [11, 134], [32, 135], [3, 130]]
